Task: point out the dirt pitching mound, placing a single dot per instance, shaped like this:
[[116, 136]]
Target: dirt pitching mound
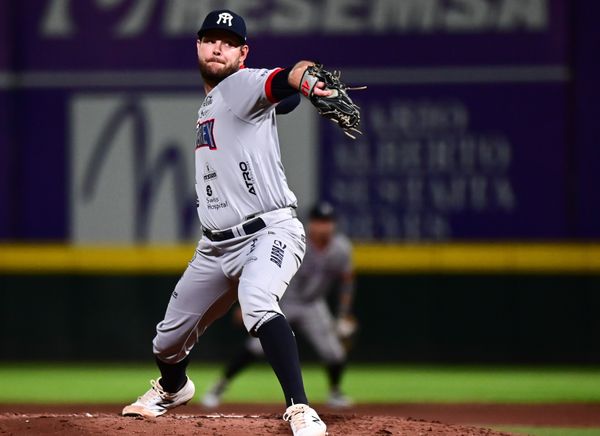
[[220, 425]]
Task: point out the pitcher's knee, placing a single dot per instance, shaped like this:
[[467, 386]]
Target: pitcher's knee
[[258, 306], [170, 348]]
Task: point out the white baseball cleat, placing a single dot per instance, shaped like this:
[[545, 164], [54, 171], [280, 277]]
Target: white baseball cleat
[[304, 421], [212, 397], [210, 400], [156, 401], [337, 400]]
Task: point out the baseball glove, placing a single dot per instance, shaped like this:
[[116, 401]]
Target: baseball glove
[[338, 107], [346, 328]]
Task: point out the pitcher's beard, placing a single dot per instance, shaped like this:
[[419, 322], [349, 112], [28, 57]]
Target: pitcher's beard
[[213, 78]]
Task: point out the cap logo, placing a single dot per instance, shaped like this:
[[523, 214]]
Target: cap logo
[[225, 18]]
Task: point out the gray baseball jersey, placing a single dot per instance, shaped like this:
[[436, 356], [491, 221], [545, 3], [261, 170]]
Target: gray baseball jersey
[[320, 271], [238, 163]]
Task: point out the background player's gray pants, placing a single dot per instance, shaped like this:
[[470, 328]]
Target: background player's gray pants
[[315, 322], [255, 269]]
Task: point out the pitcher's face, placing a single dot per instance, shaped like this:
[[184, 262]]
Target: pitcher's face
[[220, 54]]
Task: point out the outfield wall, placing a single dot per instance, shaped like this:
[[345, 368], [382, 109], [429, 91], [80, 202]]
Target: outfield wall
[[425, 302], [404, 317]]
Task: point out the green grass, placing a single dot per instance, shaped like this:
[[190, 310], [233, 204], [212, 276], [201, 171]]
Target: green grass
[[551, 431], [117, 383]]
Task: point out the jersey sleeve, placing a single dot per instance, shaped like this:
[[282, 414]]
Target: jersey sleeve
[[248, 92]]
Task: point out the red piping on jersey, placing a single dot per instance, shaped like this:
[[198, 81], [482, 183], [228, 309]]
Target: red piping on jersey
[[268, 90]]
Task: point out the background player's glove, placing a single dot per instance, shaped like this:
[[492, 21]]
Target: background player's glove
[[346, 327], [338, 107]]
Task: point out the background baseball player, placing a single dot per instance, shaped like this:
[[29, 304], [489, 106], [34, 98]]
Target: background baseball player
[[252, 242], [327, 265]]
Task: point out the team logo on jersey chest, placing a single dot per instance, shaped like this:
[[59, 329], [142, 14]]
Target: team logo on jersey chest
[[204, 134]]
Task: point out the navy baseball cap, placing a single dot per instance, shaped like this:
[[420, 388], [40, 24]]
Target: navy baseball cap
[[322, 211], [226, 20]]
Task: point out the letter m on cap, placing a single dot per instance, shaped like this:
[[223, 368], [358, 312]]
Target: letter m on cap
[[225, 18]]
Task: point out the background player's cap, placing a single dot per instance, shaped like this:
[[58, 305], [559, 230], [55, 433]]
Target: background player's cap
[[226, 20], [322, 211]]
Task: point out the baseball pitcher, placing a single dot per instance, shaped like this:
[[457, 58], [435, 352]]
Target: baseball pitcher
[[252, 242]]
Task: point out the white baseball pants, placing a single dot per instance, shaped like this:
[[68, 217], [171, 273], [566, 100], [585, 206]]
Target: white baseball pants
[[254, 269]]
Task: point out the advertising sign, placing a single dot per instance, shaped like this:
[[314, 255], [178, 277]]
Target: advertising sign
[[465, 119]]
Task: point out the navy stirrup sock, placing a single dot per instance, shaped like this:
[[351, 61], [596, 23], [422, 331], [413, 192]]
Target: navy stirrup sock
[[173, 376], [279, 345]]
